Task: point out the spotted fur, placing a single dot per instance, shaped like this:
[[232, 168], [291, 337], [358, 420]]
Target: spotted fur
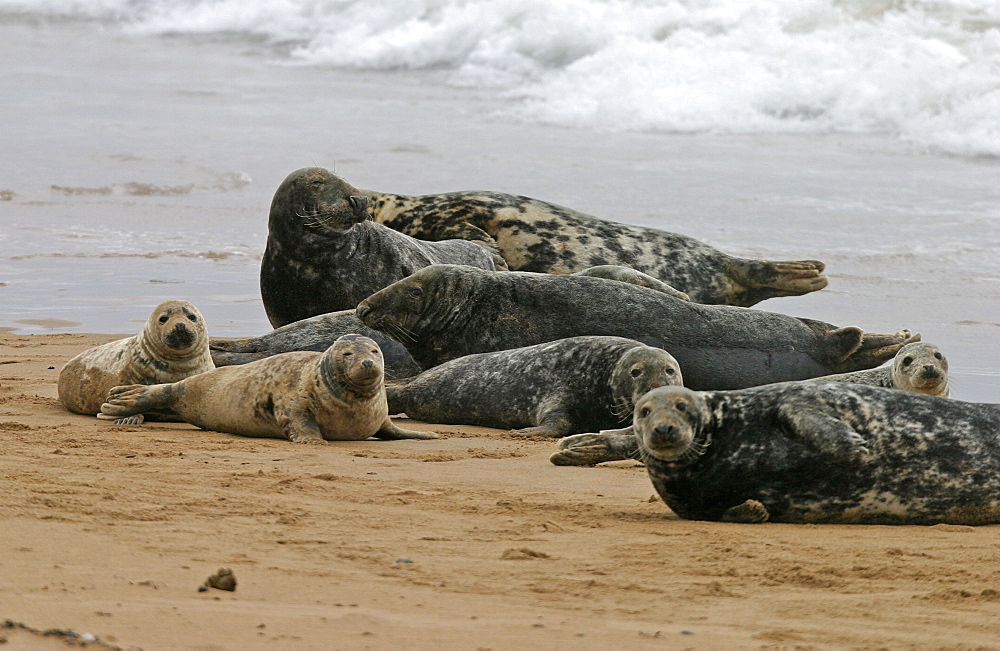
[[822, 452], [535, 235], [551, 389]]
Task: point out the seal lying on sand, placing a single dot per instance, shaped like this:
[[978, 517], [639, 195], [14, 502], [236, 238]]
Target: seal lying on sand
[[306, 397], [821, 452], [918, 367], [447, 311], [538, 236], [172, 345], [551, 389], [315, 334], [322, 254]]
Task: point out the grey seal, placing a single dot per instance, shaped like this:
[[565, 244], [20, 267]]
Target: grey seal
[[323, 255], [534, 235], [821, 452], [172, 345], [447, 311], [918, 367], [551, 389], [305, 397]]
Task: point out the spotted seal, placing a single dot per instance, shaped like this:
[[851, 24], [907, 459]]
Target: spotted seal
[[535, 235], [314, 334], [918, 367], [322, 255], [172, 345], [551, 389], [305, 397], [447, 311], [821, 452]]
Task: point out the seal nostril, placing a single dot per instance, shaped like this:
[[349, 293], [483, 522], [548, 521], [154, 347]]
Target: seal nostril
[[361, 311], [368, 363], [359, 204], [663, 433]]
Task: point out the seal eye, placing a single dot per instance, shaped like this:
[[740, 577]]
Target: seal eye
[[348, 354], [164, 318], [193, 318], [937, 356], [907, 361], [636, 372], [375, 351], [316, 182], [644, 412], [682, 406], [671, 371], [414, 292]]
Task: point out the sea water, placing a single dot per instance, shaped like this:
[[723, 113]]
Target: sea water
[[141, 142]]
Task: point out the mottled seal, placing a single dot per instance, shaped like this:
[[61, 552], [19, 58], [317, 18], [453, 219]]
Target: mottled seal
[[322, 255], [918, 367], [821, 452], [447, 311], [315, 334], [306, 397], [551, 389], [539, 236], [172, 345]]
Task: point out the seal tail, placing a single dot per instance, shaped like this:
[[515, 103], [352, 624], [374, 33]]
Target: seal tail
[[132, 399], [869, 350], [757, 280]]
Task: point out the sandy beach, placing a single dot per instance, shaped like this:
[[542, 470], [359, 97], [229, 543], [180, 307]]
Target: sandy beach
[[470, 541]]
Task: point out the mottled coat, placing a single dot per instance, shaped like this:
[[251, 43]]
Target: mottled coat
[[551, 389], [821, 452], [539, 236]]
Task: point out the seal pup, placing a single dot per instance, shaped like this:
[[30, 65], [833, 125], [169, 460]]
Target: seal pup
[[535, 235], [918, 367], [172, 345], [305, 397], [821, 452], [447, 311], [551, 389], [314, 334], [322, 255]]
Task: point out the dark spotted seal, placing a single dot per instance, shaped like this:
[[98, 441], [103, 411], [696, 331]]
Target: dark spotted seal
[[918, 367], [322, 254], [821, 452], [315, 334], [551, 389], [538, 236], [172, 345], [447, 311], [305, 397]]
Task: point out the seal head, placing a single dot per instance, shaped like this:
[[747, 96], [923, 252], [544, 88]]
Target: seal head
[[921, 368]]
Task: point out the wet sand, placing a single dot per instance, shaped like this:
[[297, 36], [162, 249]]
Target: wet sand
[[470, 541]]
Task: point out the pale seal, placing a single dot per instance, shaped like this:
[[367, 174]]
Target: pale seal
[[918, 367], [305, 397], [821, 452], [313, 334], [447, 311], [322, 255], [551, 389], [539, 236], [172, 345]]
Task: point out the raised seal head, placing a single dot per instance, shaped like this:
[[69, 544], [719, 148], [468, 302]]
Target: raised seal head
[[174, 330], [353, 362], [318, 201], [638, 371], [921, 367], [669, 424]]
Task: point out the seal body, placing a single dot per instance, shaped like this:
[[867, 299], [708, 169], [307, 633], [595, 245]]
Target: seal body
[[821, 452], [535, 235], [172, 345], [322, 255], [306, 397], [313, 334], [446, 311], [551, 389]]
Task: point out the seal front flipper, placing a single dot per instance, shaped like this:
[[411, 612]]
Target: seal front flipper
[[749, 512], [825, 434], [389, 432], [592, 449], [552, 424], [126, 404], [299, 427]]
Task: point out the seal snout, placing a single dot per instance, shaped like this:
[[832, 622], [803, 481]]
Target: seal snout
[[663, 435], [362, 310], [359, 205], [179, 336]]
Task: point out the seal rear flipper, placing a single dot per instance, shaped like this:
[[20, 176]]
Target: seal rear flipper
[[874, 350], [221, 358], [757, 280], [389, 432], [824, 434], [592, 449], [227, 345]]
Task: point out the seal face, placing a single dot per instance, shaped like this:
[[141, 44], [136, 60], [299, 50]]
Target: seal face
[[446, 311], [313, 334], [821, 452], [553, 389], [322, 254], [172, 345], [306, 397], [918, 367], [535, 235]]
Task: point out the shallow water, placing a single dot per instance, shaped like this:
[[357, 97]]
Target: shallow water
[[138, 168]]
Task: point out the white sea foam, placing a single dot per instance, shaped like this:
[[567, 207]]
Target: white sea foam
[[927, 71]]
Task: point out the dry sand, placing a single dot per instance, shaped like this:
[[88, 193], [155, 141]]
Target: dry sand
[[471, 541]]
